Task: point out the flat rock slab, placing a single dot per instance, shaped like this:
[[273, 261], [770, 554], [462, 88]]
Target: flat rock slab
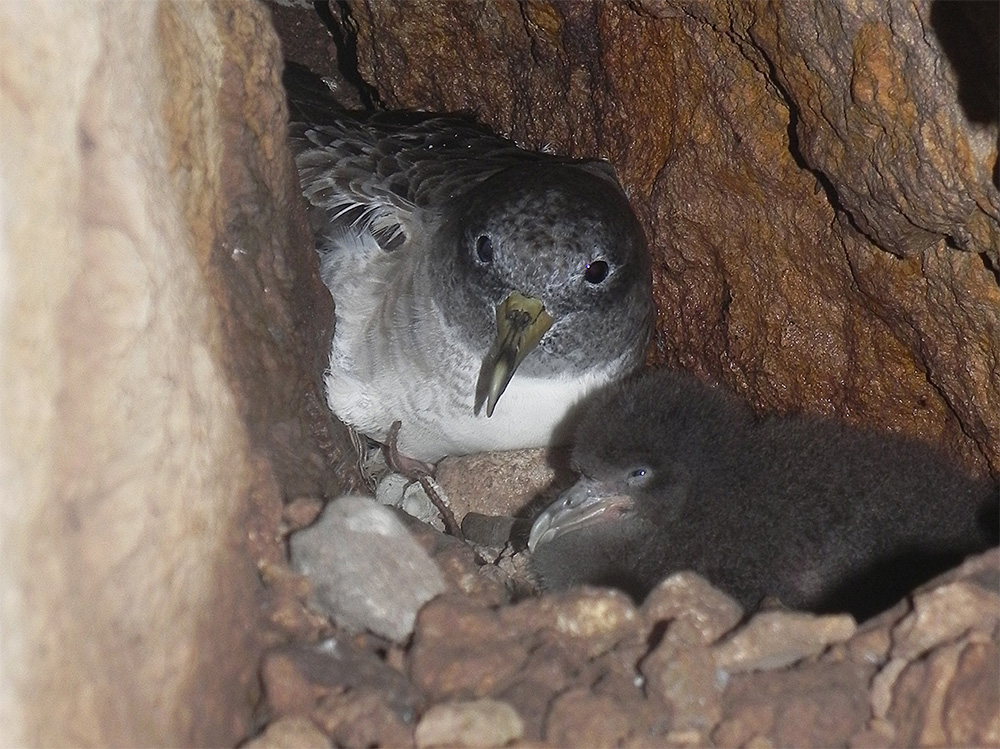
[[367, 571]]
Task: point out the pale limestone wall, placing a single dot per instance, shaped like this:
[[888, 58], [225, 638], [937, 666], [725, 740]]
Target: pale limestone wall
[[124, 465]]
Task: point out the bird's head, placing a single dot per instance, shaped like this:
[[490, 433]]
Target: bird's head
[[546, 263], [640, 446]]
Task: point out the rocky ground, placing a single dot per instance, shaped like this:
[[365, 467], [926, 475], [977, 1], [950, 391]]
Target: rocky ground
[[487, 662]]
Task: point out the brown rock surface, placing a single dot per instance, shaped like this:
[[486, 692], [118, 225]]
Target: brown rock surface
[[482, 723], [161, 345], [504, 483], [949, 698], [685, 679], [812, 705], [774, 639], [697, 613], [579, 717], [586, 668], [297, 733]]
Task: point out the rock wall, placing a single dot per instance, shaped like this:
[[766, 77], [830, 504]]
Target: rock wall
[[160, 315], [818, 180]]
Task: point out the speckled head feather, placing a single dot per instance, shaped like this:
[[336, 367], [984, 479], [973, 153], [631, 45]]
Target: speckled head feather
[[436, 238]]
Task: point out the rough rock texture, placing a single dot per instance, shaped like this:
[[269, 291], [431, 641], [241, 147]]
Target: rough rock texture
[[774, 639], [366, 570], [483, 723], [297, 732], [515, 482], [823, 209], [589, 668], [161, 323]]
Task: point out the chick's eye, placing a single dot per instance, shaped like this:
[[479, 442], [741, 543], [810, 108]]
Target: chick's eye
[[595, 272], [484, 249], [637, 477]]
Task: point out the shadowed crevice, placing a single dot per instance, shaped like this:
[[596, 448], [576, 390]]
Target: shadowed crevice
[[336, 17], [969, 33]]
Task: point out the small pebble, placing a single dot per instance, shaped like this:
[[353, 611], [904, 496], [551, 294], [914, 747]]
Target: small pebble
[[296, 731], [395, 490], [480, 723]]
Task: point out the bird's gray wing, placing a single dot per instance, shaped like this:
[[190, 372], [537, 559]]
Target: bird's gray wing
[[381, 177], [383, 172], [380, 171]]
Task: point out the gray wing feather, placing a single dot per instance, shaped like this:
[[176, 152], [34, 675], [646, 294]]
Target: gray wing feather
[[385, 173], [384, 177]]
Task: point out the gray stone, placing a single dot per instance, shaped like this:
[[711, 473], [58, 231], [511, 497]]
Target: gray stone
[[366, 571], [396, 490]]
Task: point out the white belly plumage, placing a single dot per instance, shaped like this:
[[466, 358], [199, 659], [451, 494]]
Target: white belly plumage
[[392, 358], [437, 421]]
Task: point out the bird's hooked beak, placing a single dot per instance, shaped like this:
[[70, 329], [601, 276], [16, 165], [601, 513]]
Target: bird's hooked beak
[[583, 504], [521, 323]]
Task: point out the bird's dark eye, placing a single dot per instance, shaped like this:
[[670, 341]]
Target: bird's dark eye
[[638, 476], [484, 249], [596, 272]]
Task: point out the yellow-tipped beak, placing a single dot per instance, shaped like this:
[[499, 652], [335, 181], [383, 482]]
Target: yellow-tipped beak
[[521, 323]]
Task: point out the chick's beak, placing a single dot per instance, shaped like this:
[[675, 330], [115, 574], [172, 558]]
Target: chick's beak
[[521, 323], [583, 504]]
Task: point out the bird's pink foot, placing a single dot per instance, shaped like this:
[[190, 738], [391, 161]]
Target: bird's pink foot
[[403, 464], [418, 470]]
